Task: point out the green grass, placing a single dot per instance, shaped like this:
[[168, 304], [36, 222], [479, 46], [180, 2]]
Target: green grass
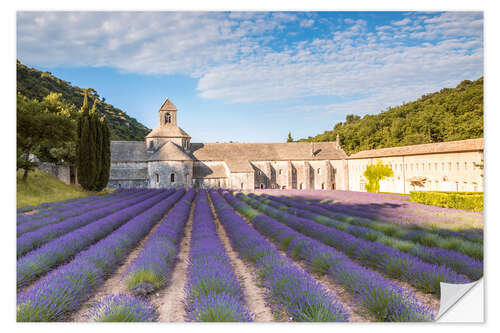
[[41, 187]]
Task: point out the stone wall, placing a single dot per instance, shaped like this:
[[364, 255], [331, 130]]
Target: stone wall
[[160, 174], [61, 172]]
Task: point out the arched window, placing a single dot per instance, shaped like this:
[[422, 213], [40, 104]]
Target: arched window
[[168, 118], [172, 177], [261, 185], [323, 186], [157, 178]]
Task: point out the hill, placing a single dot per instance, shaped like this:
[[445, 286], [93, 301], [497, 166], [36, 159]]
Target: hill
[[41, 187], [35, 84], [448, 115]]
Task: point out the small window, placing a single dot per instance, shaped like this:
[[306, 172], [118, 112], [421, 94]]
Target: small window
[[449, 166], [157, 178], [465, 165], [151, 144], [323, 186], [429, 167], [168, 118], [280, 171], [172, 177], [458, 166], [319, 171], [242, 186], [261, 186], [301, 186]]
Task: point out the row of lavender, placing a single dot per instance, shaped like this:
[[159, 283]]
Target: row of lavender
[[213, 292], [50, 208], [150, 271], [35, 239], [290, 288], [460, 263], [73, 210], [61, 249], [388, 261], [64, 290], [397, 216], [383, 299], [443, 238]]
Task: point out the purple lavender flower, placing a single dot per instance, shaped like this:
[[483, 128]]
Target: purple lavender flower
[[122, 308]]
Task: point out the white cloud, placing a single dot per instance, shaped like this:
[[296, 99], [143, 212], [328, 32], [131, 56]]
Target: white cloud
[[306, 23], [232, 54], [404, 21]]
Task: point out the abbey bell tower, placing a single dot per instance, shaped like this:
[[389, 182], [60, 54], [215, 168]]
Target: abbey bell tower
[[168, 114], [168, 130]]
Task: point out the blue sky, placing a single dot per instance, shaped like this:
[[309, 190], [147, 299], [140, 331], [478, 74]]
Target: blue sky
[[254, 76]]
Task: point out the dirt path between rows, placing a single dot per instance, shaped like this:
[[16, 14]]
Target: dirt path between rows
[[427, 299], [170, 300], [254, 295], [356, 311], [114, 284]]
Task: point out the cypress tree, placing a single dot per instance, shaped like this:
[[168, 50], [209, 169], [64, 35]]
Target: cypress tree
[[83, 147], [105, 155], [97, 147], [93, 143]]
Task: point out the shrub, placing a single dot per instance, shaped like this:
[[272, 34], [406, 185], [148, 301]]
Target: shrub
[[460, 200]]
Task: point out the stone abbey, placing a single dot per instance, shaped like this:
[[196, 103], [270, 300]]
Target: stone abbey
[[168, 158]]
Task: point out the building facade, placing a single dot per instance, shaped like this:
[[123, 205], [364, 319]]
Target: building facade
[[443, 166], [168, 158]]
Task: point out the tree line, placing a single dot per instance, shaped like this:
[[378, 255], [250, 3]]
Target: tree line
[[448, 115], [53, 131]]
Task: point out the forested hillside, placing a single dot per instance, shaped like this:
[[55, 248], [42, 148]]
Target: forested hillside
[[35, 84], [447, 115]]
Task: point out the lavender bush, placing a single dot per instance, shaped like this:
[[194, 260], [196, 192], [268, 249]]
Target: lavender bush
[[63, 248], [460, 263], [394, 263], [214, 293], [291, 288], [383, 298], [153, 266], [65, 289], [33, 240], [71, 211], [122, 308]]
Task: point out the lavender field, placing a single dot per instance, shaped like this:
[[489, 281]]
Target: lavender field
[[207, 256]]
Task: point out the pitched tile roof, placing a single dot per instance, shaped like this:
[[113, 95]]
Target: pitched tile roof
[[429, 148], [238, 155], [202, 170], [129, 151], [169, 151], [168, 106], [168, 131]]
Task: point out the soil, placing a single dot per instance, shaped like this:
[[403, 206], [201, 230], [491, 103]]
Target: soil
[[254, 295], [170, 300]]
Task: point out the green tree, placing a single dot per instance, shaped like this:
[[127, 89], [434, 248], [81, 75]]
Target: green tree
[[289, 138], [83, 155], [374, 174], [105, 156], [93, 148], [37, 127]]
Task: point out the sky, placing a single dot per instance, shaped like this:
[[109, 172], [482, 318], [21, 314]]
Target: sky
[[255, 76]]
